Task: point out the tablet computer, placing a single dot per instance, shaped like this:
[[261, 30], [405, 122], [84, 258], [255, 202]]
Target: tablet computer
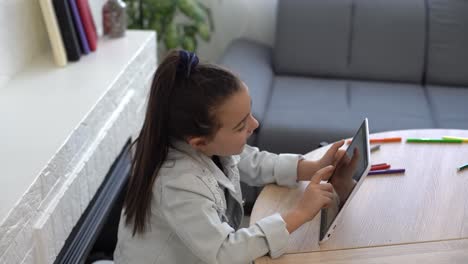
[[346, 179]]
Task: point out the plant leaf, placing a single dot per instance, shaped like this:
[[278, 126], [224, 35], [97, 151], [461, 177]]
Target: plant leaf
[[191, 9], [190, 30], [159, 15], [189, 43], [171, 39], [208, 15], [204, 31]]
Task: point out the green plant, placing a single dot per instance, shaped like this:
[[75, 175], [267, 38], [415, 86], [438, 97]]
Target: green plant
[[160, 15]]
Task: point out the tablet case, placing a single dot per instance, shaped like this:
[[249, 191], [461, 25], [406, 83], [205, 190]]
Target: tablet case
[[82, 39], [55, 38], [88, 23], [67, 29]]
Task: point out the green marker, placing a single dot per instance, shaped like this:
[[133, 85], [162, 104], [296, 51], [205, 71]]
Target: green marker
[[462, 167], [433, 140]]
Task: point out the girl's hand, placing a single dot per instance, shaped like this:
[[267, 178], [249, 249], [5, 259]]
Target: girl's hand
[[307, 168], [343, 181], [332, 156], [315, 197]]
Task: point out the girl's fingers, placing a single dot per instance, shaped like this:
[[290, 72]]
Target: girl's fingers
[[326, 187], [339, 154], [337, 145], [328, 194], [316, 178], [331, 152], [327, 200], [324, 173]]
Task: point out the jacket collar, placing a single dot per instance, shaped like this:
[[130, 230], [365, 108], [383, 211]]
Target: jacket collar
[[228, 162]]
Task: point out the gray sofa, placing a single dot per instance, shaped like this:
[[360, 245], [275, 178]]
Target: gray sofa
[[401, 63]]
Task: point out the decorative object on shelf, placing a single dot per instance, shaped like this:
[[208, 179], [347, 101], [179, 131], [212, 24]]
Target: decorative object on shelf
[[160, 15], [114, 18]]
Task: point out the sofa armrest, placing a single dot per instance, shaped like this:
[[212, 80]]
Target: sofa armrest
[[252, 62]]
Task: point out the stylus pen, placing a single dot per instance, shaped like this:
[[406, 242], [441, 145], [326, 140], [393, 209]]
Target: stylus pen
[[465, 140], [433, 140], [462, 167], [377, 172]]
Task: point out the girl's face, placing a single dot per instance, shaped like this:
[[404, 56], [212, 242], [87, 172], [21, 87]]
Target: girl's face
[[237, 124]]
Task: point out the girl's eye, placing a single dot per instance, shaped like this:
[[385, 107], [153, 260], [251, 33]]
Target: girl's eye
[[242, 127]]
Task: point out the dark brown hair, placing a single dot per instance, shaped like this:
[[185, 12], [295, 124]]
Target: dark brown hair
[[181, 104]]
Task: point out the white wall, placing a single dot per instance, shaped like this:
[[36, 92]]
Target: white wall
[[23, 34]]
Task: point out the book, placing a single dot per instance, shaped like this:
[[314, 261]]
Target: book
[[83, 41], [88, 23], [67, 29], [55, 37]]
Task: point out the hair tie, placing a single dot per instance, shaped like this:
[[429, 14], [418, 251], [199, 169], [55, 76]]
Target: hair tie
[[187, 61]]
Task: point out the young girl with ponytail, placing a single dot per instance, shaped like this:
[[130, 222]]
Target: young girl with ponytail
[[184, 203]]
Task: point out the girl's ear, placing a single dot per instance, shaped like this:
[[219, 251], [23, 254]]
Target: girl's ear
[[197, 143]]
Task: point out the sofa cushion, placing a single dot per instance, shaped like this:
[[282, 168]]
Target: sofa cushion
[[379, 40], [293, 122], [387, 40], [304, 111], [390, 106], [312, 37], [449, 105], [447, 61], [252, 62]]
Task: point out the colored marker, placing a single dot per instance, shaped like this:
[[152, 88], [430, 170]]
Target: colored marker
[[385, 140], [393, 171], [374, 148], [433, 140], [465, 140], [378, 164], [462, 167], [380, 167], [381, 140]]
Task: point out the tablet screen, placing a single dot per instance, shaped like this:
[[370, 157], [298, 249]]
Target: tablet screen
[[348, 172]]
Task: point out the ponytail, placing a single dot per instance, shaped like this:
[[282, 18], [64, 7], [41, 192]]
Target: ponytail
[[182, 103]]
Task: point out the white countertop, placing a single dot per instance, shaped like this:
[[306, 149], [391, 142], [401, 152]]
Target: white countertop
[[41, 106]]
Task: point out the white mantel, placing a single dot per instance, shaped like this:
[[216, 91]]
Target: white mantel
[[61, 129]]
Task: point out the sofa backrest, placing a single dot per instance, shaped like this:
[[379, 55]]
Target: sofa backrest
[[359, 39], [447, 54]]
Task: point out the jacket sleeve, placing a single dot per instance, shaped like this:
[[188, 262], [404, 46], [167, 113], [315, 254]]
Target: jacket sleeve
[[258, 168], [190, 210]]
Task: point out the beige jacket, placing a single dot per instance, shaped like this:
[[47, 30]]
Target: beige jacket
[[191, 221]]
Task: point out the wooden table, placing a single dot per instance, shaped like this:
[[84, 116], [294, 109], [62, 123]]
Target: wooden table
[[421, 215]]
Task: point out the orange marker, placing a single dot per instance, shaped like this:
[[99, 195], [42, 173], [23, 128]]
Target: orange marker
[[381, 140], [385, 140]]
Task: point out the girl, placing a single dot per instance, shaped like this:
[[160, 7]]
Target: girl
[[184, 203]]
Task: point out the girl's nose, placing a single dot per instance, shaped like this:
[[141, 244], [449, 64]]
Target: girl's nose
[[253, 123]]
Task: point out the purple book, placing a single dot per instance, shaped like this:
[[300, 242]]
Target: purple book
[[79, 27]]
